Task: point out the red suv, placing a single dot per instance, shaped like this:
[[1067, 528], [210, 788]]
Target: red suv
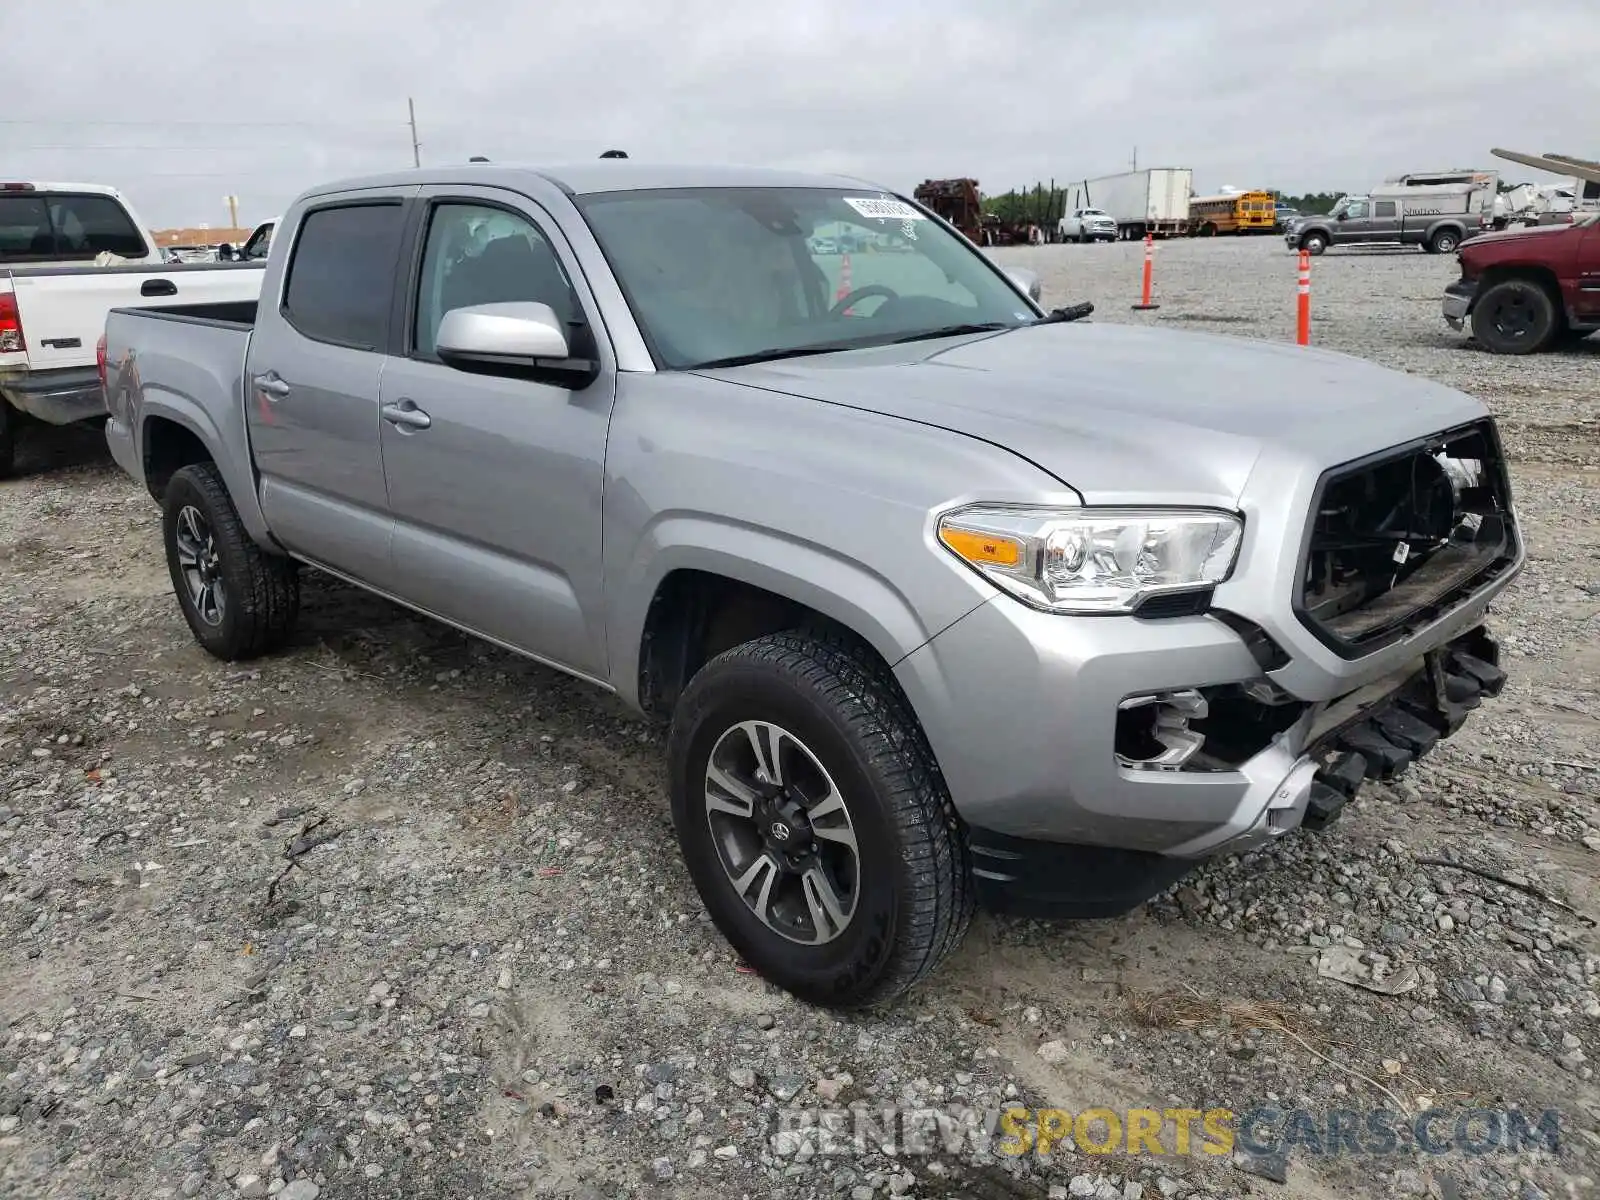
[[1526, 289]]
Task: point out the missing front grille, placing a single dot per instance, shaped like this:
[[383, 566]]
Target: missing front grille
[[1401, 538]]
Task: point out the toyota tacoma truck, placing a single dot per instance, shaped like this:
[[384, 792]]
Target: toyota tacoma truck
[[1524, 290], [68, 253], [946, 599]]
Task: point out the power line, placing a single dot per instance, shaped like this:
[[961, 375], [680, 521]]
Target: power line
[[225, 124], [163, 149]]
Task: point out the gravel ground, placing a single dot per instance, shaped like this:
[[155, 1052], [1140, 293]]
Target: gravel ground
[[486, 974]]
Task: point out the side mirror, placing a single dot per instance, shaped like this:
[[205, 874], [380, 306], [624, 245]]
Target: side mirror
[[1343, 215], [1027, 281], [225, 252], [518, 338]]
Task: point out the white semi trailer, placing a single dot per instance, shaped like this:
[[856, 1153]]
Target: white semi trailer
[[1154, 200]]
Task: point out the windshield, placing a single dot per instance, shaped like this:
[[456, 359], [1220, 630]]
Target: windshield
[[717, 275]]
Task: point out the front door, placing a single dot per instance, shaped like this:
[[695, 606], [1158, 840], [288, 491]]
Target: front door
[[1588, 299], [311, 385], [1356, 228], [494, 481]]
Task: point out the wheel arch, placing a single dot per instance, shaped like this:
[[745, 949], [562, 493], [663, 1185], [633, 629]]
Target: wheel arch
[[174, 431], [1529, 272], [717, 585]]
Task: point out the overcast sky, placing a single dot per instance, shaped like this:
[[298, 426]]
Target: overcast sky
[[181, 102]]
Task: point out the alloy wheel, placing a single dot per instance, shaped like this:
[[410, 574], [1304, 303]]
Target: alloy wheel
[[783, 832]]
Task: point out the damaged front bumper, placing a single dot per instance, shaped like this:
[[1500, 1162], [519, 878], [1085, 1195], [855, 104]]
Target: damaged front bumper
[[1080, 832], [1367, 736]]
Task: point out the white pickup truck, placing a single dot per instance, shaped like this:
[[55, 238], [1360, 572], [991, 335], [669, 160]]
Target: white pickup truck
[[69, 253]]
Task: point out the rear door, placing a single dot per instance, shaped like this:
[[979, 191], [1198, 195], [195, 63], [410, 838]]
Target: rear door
[[1385, 221], [49, 240], [495, 481], [311, 383]]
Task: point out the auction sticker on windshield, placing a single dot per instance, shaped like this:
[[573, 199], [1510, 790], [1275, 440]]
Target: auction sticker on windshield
[[884, 209]]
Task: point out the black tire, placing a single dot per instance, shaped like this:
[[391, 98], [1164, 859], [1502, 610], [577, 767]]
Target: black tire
[[1446, 241], [8, 438], [913, 899], [261, 591], [1515, 316], [1315, 243]]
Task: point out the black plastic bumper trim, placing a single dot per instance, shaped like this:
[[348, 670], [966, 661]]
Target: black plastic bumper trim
[[1065, 880]]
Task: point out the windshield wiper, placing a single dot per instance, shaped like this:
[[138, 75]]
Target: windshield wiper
[[1059, 316], [954, 331], [777, 352]]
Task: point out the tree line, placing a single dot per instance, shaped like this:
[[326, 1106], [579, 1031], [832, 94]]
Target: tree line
[[1044, 203]]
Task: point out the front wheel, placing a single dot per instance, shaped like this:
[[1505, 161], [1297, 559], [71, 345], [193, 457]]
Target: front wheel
[[1315, 243], [814, 821], [239, 601], [1515, 316]]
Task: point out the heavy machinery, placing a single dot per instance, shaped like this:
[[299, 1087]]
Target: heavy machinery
[[960, 202], [1554, 204]]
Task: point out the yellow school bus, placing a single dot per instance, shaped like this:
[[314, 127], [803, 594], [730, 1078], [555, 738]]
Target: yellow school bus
[[1238, 212]]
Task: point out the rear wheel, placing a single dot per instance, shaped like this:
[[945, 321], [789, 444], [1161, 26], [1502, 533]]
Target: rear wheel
[[240, 602], [814, 821], [1514, 316]]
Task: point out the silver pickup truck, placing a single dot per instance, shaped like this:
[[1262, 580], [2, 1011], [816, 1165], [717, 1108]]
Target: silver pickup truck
[[948, 600]]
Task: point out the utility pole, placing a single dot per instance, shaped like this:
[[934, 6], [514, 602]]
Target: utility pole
[[233, 212], [416, 147], [1136, 159]]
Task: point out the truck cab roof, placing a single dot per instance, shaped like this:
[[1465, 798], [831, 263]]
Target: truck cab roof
[[598, 175], [38, 185]]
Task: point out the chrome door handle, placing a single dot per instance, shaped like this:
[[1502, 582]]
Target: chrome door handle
[[271, 385], [406, 415]]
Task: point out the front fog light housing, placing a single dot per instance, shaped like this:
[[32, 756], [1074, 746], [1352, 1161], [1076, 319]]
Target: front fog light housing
[[1092, 560]]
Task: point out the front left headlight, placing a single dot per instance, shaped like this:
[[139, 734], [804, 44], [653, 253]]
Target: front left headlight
[[1092, 560]]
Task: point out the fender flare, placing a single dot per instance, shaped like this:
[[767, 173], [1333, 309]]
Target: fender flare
[[237, 471], [840, 588]]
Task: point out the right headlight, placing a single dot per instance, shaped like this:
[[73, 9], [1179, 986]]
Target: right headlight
[[1092, 560]]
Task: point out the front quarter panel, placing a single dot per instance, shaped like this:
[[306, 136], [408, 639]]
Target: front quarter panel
[[828, 506]]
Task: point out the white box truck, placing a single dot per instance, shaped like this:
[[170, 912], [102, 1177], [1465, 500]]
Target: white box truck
[[1155, 200]]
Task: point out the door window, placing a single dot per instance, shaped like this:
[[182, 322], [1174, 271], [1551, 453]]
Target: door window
[[341, 279], [260, 243], [1384, 208], [1357, 210], [477, 254]]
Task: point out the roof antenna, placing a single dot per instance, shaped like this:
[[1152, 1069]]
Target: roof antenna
[[615, 154]]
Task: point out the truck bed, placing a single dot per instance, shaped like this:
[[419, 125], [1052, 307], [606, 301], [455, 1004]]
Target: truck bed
[[190, 364], [230, 314]]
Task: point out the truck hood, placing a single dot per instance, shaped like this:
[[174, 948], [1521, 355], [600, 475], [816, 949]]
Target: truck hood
[[1125, 415], [1500, 237]]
